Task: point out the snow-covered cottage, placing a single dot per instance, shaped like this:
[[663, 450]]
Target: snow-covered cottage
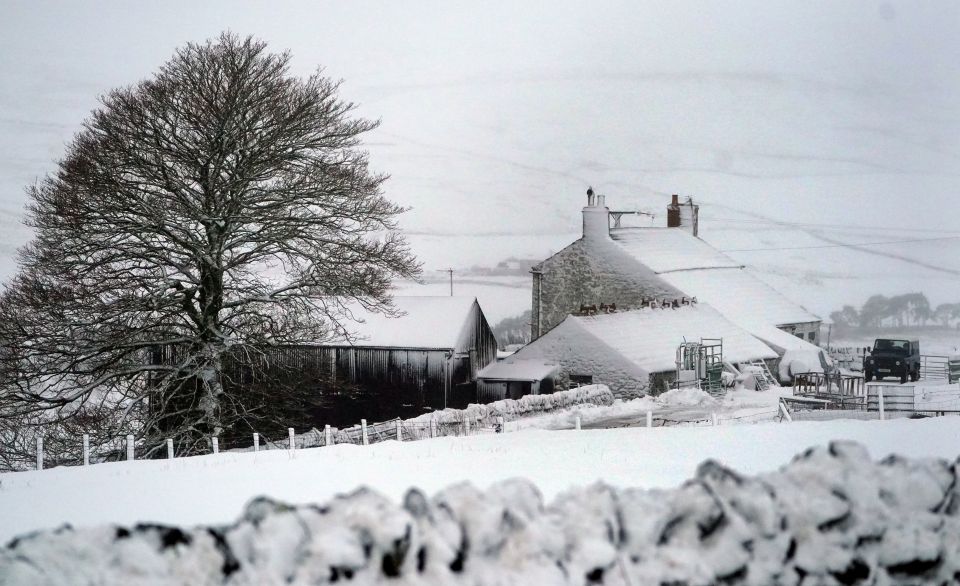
[[614, 269], [627, 267]]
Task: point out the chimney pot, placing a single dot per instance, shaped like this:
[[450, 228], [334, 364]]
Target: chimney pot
[[596, 217], [676, 200]]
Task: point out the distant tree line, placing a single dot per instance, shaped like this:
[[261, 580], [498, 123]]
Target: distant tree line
[[910, 309], [513, 330]]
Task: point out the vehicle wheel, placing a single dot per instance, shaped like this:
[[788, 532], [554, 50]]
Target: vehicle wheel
[[903, 377], [867, 375], [915, 375]]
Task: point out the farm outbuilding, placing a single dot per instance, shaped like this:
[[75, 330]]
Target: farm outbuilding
[[635, 352], [513, 378], [426, 357]]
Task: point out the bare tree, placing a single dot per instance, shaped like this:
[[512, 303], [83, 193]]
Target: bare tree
[[219, 207]]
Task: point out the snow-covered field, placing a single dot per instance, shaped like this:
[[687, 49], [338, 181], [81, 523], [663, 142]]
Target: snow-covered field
[[212, 489]]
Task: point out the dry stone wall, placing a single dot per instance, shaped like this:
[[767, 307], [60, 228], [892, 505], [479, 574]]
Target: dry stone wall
[[832, 516]]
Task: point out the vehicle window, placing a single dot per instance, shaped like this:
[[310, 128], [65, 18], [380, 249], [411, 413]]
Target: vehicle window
[[899, 346]]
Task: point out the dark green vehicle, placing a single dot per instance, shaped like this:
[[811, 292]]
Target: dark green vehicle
[[899, 358]]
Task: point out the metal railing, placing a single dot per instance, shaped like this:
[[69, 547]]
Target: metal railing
[[842, 390]]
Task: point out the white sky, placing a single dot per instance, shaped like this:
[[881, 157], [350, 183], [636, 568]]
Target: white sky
[[497, 115]]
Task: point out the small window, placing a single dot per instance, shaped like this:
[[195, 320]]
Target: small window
[[800, 335], [812, 336], [581, 379]]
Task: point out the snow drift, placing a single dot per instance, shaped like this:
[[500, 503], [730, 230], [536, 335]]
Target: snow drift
[[831, 516]]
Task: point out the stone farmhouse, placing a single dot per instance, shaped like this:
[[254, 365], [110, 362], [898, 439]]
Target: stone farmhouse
[[614, 305]]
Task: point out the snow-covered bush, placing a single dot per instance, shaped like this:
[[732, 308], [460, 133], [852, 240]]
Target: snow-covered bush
[[831, 516]]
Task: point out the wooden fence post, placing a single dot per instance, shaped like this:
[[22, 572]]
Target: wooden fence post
[[86, 449], [399, 431], [327, 435], [433, 427], [466, 426], [576, 424], [500, 427], [169, 449], [216, 444], [39, 452], [130, 447], [293, 443], [363, 432], [649, 418], [714, 419], [256, 442], [880, 402]]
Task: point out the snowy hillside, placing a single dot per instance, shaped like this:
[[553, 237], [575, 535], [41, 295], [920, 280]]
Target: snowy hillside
[[793, 126], [829, 516]]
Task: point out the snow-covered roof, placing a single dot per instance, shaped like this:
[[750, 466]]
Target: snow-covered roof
[[741, 296], [423, 322], [649, 337], [780, 340], [699, 270], [666, 250], [521, 370]]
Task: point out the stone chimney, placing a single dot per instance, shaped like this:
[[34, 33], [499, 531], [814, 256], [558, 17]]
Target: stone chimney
[[596, 217], [684, 215]]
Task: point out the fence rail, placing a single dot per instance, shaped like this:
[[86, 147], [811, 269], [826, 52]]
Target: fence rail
[[934, 367], [840, 389]]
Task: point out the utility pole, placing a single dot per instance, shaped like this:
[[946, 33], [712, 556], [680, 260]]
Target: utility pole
[[451, 281]]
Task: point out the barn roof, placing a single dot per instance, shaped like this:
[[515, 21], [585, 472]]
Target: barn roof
[[780, 340], [518, 370], [649, 337], [700, 270], [423, 322]]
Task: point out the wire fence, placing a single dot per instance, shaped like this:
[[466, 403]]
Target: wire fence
[[131, 448]]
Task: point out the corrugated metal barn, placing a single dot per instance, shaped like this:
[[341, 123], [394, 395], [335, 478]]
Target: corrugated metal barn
[[426, 358]]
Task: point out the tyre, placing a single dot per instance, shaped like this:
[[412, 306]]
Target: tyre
[[903, 377], [915, 375]]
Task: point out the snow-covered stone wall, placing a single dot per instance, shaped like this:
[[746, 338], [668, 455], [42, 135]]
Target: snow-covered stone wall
[[829, 517], [527, 406], [591, 272]]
